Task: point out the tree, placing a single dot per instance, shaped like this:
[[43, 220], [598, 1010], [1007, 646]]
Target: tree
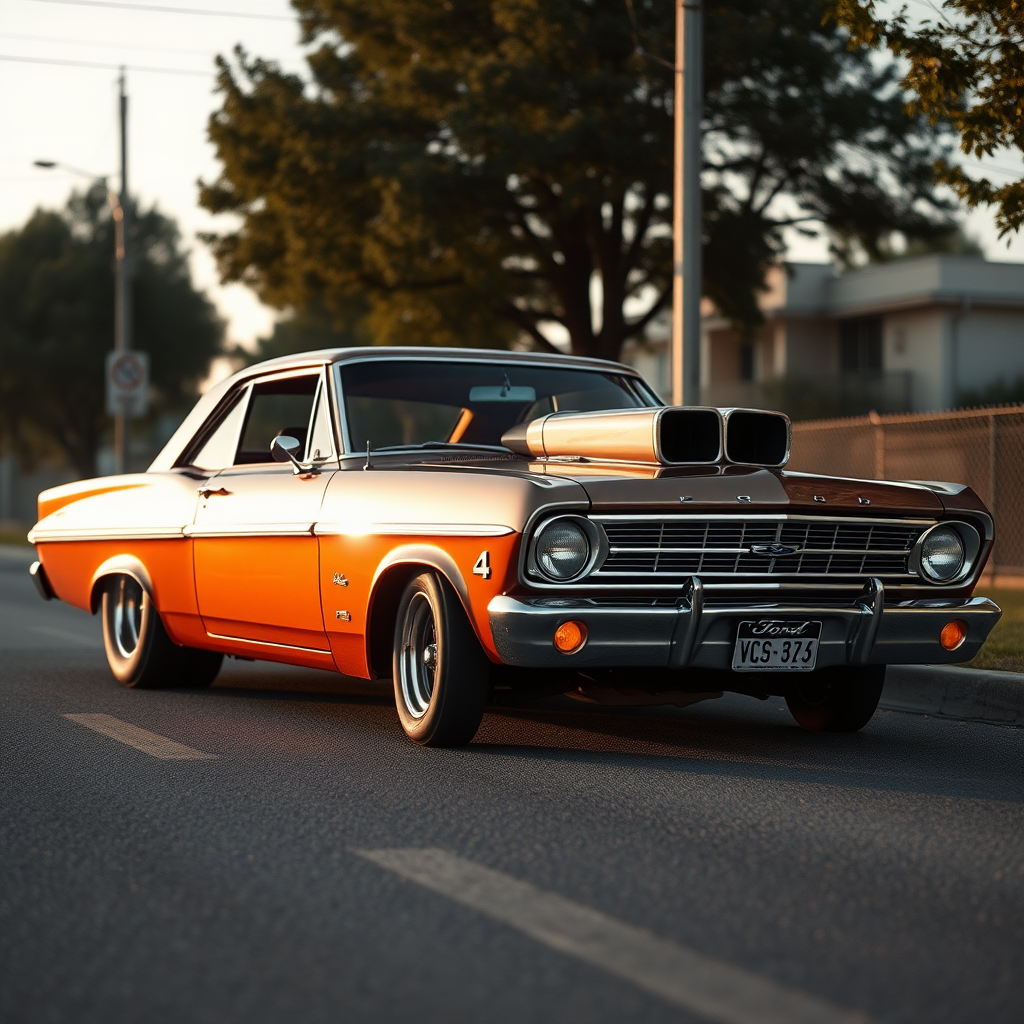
[[965, 69], [57, 324], [311, 328], [472, 167]]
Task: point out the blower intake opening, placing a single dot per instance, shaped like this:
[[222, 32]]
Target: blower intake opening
[[757, 438], [690, 435]]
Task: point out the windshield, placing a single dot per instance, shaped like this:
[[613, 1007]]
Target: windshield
[[393, 403]]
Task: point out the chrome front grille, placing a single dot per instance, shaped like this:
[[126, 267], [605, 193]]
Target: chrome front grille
[[647, 548]]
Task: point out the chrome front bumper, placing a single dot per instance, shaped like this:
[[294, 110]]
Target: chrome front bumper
[[697, 633]]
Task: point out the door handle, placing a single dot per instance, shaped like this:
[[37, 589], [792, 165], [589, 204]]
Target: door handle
[[205, 492]]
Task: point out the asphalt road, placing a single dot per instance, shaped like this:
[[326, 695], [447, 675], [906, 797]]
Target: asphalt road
[[572, 864]]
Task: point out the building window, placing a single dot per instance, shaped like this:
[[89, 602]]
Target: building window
[[860, 344], [746, 362]]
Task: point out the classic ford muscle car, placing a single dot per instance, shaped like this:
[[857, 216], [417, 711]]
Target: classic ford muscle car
[[472, 523]]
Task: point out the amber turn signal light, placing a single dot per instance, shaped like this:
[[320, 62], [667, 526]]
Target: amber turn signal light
[[953, 634], [570, 636]]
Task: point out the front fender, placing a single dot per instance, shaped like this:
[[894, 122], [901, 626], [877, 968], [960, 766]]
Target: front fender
[[428, 555]]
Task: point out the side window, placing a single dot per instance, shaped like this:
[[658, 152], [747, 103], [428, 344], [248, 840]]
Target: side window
[[220, 447], [277, 407], [321, 437]]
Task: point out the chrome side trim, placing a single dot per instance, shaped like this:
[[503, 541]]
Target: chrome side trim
[[267, 643], [252, 530], [191, 531], [411, 530], [48, 535]]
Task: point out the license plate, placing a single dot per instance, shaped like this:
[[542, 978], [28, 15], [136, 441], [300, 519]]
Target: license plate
[[776, 645]]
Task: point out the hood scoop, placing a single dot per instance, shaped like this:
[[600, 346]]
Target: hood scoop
[[670, 436]]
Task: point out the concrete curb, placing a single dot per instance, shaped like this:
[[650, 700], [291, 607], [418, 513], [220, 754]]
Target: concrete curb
[[948, 691]]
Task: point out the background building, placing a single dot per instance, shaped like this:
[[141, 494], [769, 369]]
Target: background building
[[917, 334]]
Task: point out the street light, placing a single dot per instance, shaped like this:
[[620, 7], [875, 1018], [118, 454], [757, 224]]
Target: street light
[[115, 209], [120, 210]]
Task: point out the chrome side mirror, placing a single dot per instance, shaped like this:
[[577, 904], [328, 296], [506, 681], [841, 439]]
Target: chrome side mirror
[[287, 449]]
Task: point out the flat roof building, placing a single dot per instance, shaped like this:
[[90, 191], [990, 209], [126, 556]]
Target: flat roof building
[[917, 334]]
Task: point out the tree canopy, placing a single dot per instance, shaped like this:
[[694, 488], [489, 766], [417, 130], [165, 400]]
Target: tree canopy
[[473, 167], [966, 69], [57, 325], [311, 328]]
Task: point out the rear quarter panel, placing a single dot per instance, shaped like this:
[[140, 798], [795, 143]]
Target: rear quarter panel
[[94, 525]]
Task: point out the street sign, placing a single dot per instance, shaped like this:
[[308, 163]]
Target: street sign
[[127, 383]]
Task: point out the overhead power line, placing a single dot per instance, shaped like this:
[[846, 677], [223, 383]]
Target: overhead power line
[[171, 10], [104, 67], [104, 44]]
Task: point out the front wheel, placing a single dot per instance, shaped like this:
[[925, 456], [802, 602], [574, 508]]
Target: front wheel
[[440, 672], [840, 699], [140, 653]]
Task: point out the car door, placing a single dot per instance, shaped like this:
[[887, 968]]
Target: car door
[[256, 558]]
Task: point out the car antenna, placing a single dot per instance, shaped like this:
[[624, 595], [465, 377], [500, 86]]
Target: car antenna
[[507, 386], [367, 466]]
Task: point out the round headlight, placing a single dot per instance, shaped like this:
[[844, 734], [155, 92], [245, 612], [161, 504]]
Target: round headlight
[[942, 554], [562, 551]]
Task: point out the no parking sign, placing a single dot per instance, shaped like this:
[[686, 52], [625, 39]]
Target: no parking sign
[[127, 383]]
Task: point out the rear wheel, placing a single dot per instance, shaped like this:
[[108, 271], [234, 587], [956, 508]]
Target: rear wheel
[[140, 653], [840, 699], [440, 672]]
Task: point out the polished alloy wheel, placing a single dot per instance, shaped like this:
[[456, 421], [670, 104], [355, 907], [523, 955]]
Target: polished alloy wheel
[[126, 612], [439, 670], [418, 661]]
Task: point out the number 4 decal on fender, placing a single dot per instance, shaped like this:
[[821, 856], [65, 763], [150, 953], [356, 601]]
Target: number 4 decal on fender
[[483, 565]]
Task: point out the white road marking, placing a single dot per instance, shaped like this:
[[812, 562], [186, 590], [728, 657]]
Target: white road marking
[[148, 742], [700, 984]]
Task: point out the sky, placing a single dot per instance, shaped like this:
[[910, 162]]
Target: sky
[[68, 113]]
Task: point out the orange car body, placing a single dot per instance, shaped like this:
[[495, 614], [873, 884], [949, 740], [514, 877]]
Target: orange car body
[[261, 561]]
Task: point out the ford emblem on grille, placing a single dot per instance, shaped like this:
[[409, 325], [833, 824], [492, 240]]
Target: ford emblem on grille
[[772, 550]]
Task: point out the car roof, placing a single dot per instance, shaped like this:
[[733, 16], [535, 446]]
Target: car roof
[[343, 355], [327, 356]]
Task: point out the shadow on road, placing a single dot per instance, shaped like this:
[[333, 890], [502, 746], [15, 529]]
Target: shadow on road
[[735, 736]]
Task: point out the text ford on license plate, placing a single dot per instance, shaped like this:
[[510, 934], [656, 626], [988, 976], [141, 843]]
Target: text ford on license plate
[[776, 645]]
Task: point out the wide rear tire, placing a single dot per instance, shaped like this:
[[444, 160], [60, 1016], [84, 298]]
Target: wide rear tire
[[140, 653], [440, 672], [840, 699]]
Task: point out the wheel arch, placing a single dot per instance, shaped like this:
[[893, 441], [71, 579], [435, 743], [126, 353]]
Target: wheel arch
[[390, 579], [118, 565]]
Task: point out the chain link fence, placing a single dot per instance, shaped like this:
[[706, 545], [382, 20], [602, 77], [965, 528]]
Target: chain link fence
[[983, 448]]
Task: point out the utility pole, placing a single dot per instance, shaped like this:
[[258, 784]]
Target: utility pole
[[122, 279], [687, 228]]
